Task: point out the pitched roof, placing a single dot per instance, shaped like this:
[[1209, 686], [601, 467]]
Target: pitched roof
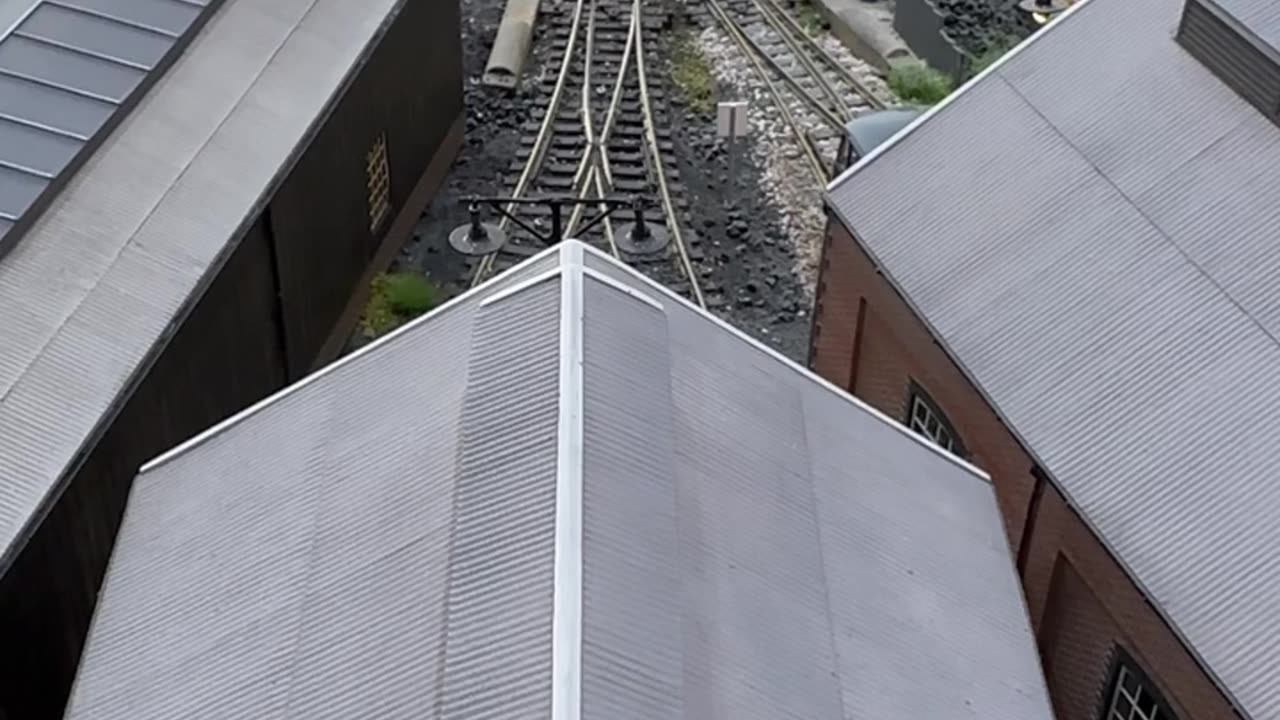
[[1090, 229], [69, 70], [143, 225], [568, 473]]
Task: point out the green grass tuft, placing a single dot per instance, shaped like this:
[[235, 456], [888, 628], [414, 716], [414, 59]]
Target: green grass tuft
[[994, 52], [394, 299], [692, 74], [919, 83], [808, 17]]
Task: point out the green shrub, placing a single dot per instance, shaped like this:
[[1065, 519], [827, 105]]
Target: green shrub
[[409, 294], [395, 298], [692, 75], [919, 83]]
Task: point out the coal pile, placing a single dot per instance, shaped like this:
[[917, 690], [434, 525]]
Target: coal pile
[[976, 25]]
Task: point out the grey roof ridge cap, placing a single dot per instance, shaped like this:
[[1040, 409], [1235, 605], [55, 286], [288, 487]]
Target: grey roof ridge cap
[[991, 69], [236, 419], [843, 394]]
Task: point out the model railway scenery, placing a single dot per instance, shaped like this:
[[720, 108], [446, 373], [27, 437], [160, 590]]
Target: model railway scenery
[[599, 359]]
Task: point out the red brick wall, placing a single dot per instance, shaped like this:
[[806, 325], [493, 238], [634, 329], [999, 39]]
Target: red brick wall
[[1082, 605]]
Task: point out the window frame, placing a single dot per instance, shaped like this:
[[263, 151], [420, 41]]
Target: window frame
[[916, 393], [1122, 662], [378, 182]]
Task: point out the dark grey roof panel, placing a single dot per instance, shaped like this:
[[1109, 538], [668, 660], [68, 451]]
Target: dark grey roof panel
[[96, 34], [51, 106], [1121, 281], [75, 66], [67, 68], [18, 188], [166, 16], [1258, 17], [729, 566]]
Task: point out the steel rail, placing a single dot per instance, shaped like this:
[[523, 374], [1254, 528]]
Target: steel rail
[[651, 134], [539, 149], [753, 49], [815, 163], [597, 147], [838, 102], [858, 86]]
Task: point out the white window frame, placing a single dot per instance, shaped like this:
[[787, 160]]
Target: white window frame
[[1133, 698], [925, 418]]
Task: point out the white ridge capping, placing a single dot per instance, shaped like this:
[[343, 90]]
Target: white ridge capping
[[566, 623]]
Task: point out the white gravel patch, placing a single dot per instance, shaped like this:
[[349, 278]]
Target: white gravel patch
[[788, 180]]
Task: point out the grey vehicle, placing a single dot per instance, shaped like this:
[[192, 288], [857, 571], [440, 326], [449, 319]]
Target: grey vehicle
[[863, 133]]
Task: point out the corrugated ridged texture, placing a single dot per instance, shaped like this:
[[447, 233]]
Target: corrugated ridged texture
[[757, 622], [1097, 249], [633, 639], [498, 649], [301, 560], [382, 541], [1259, 16], [917, 577], [1234, 54], [226, 116]]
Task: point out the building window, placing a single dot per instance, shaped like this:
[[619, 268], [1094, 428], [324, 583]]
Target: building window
[[378, 174], [1132, 695], [924, 417]]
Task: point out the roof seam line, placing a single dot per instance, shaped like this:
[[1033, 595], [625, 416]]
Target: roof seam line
[[1149, 220], [812, 487], [566, 622]]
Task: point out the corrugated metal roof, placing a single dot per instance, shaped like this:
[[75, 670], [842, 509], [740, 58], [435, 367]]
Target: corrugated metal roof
[[1258, 17], [750, 541], [1090, 228], [111, 263], [68, 70]]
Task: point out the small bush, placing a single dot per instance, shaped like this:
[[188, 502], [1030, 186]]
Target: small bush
[[409, 294], [919, 83], [691, 73], [395, 298], [809, 18]]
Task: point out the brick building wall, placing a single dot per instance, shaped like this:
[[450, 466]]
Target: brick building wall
[[1083, 606]]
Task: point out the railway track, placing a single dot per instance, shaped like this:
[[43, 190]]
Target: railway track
[[813, 91], [602, 132]]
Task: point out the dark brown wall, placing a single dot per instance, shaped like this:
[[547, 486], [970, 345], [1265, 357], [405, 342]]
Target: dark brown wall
[[1081, 602], [262, 322], [411, 89], [226, 356]]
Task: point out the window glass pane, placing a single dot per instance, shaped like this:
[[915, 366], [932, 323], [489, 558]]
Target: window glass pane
[[1129, 682]]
